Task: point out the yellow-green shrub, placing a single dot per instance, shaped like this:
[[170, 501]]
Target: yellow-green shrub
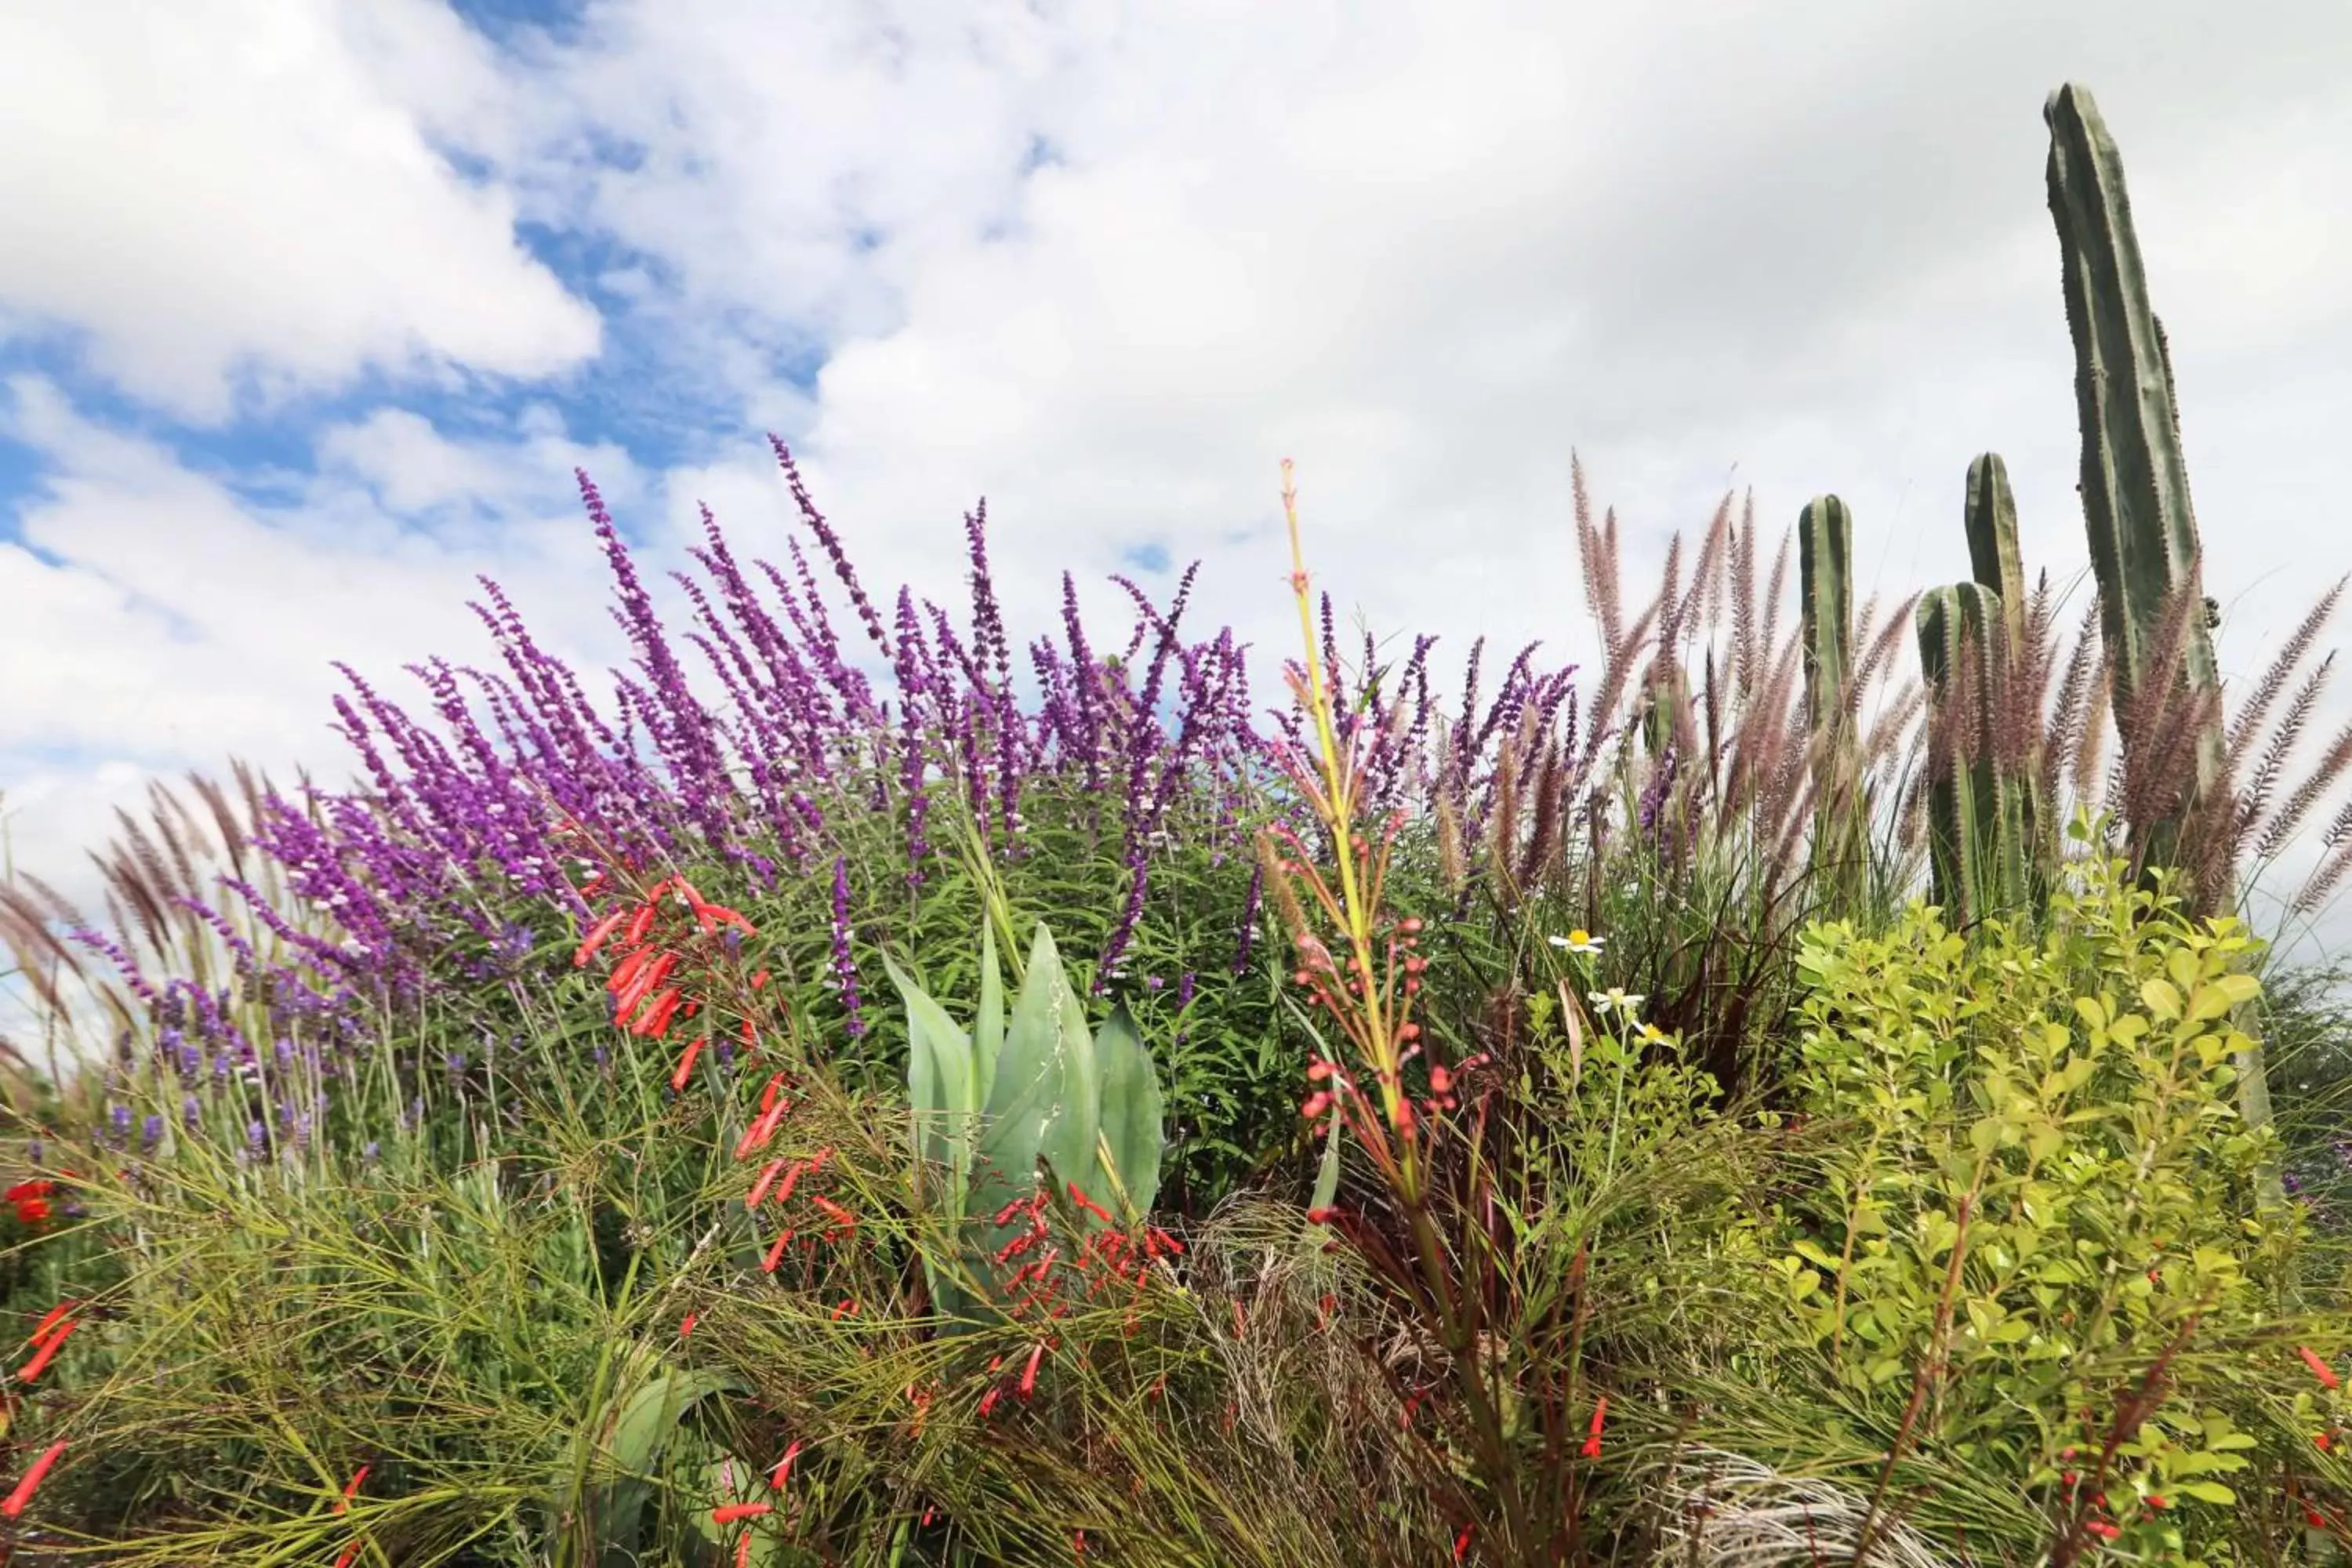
[[2035, 1242]]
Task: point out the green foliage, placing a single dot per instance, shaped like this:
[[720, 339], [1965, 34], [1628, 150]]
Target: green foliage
[[2033, 1209]]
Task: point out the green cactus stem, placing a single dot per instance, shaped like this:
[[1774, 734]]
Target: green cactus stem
[[1995, 562], [1979, 855], [2135, 481], [1825, 585], [2135, 484], [1994, 558]]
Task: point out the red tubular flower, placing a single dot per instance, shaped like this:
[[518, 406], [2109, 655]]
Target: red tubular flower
[[17, 1500], [349, 1555], [740, 1511], [836, 1212], [784, 1193], [768, 1095], [32, 1211], [2102, 1529], [755, 1137], [351, 1488], [1029, 1373], [685, 1066], [654, 1020], [49, 1347], [776, 1252], [641, 923], [988, 1400], [1078, 1197], [595, 938], [2319, 1367], [1591, 1449], [777, 1476], [760, 1188], [848, 1308], [686, 1325], [49, 1321], [1462, 1543]]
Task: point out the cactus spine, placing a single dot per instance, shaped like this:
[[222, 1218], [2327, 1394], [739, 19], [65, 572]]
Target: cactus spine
[[1826, 583], [2143, 533]]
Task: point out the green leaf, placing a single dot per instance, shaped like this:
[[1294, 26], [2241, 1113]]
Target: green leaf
[[988, 1041], [1029, 1099], [612, 1504], [2207, 1491], [1132, 1112], [1327, 1179], [938, 1078]]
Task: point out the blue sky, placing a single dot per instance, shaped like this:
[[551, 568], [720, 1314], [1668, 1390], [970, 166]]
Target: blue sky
[[308, 309]]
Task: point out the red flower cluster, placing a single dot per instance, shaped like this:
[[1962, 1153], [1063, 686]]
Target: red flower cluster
[[32, 1201], [644, 1001]]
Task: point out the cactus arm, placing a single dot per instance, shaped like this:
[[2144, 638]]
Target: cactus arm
[[1993, 557]]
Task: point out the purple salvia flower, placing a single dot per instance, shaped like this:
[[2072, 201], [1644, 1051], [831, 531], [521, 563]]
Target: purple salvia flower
[[831, 541]]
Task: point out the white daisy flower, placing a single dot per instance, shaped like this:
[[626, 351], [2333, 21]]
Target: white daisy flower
[[1614, 1000], [1577, 941]]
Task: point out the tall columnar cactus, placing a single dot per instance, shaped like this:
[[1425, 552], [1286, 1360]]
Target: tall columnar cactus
[[1994, 558], [2143, 532], [995, 1106], [1995, 563], [2135, 482], [1825, 583], [1980, 850]]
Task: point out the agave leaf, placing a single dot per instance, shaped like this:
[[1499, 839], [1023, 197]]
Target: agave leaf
[[1069, 1142], [939, 1081], [1029, 1083], [1131, 1110], [612, 1504], [988, 1042]]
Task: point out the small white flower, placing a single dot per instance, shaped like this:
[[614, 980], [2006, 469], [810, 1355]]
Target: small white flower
[[1579, 941], [1614, 1000]]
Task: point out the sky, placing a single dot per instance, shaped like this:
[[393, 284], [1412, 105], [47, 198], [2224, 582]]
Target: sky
[[309, 309]]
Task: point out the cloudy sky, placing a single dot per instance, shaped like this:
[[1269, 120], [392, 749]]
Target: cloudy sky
[[308, 309]]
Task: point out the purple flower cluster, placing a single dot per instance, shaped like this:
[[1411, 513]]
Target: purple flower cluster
[[749, 734]]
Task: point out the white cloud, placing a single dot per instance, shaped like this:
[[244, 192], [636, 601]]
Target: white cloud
[[160, 620], [223, 190], [1105, 264]]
